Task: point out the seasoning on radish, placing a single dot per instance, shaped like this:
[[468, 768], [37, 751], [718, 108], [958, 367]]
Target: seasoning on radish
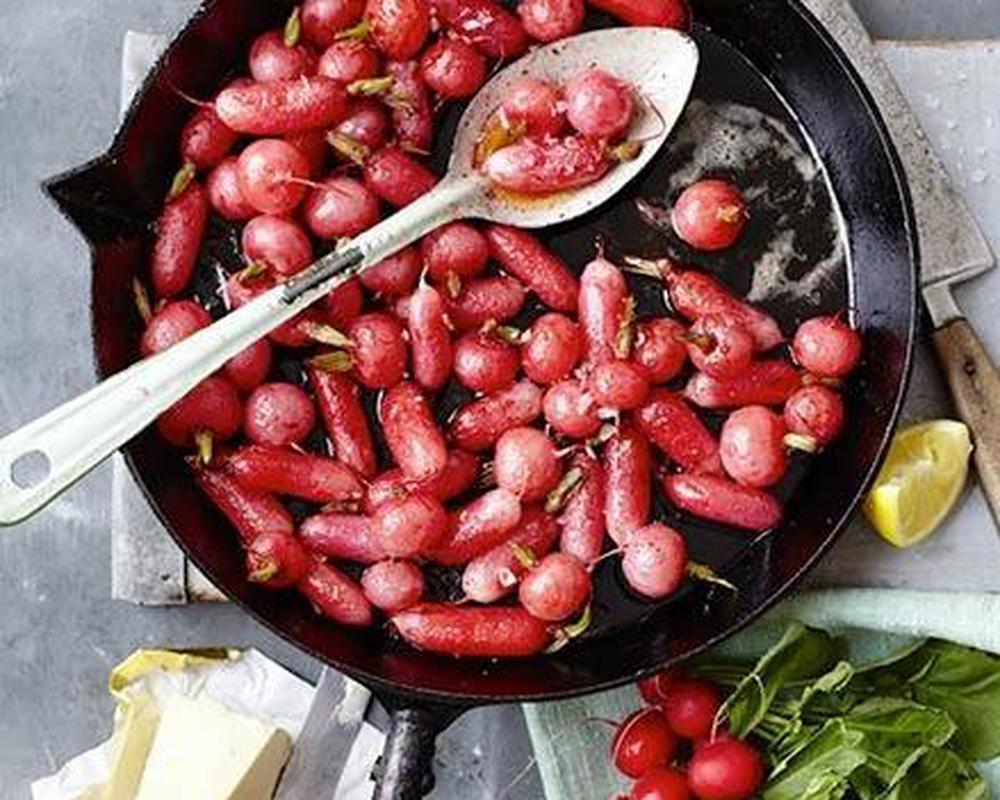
[[393, 586], [655, 561], [453, 68], [549, 20], [411, 433], [672, 425], [335, 595], [600, 105], [710, 215], [827, 346], [718, 499], [279, 414], [478, 425], [555, 589]]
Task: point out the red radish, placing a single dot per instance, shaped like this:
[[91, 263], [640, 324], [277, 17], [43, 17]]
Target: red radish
[[493, 299], [172, 323], [430, 338], [249, 369], [393, 586], [479, 527], [605, 304], [534, 166], [411, 433], [278, 243], [484, 362], [211, 407], [457, 477], [582, 520], [494, 575], [335, 595], [526, 463], [453, 69], [571, 410], [272, 58], [269, 171], [345, 537], [341, 207], [658, 350], [279, 107], [556, 589], [653, 13], [410, 104], [409, 526], [478, 425], [180, 229], [322, 20], [343, 304], [691, 706], [653, 688], [655, 561], [473, 632], [536, 105], [661, 783], [205, 139], [399, 27], [349, 60], [766, 383], [314, 148], [345, 420], [619, 385], [455, 250], [599, 105], [252, 513], [378, 353], [548, 20], [307, 476], [817, 413], [710, 215], [727, 769], [672, 425], [397, 177], [552, 350], [695, 294], [279, 414], [277, 560], [628, 495], [720, 500], [719, 346], [827, 346], [752, 448], [363, 131], [525, 257], [485, 24], [224, 193], [396, 276], [643, 741]]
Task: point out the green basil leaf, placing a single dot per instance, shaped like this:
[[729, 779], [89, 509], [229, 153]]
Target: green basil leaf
[[960, 680], [939, 773], [802, 653], [820, 768]]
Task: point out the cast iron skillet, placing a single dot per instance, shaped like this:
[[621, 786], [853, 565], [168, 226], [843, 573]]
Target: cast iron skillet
[[768, 54]]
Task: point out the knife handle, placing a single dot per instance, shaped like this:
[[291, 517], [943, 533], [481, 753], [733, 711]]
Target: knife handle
[[975, 386]]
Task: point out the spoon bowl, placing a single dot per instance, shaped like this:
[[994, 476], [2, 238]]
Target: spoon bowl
[[659, 63]]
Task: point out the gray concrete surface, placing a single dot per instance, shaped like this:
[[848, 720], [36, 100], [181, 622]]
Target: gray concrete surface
[[59, 632]]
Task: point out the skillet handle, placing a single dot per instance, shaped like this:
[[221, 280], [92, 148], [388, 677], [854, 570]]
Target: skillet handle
[[405, 770], [975, 386]]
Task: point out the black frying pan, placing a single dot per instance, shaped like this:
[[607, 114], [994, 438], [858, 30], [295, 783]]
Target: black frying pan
[[767, 55]]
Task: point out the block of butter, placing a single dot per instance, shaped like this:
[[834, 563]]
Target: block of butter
[[202, 751]]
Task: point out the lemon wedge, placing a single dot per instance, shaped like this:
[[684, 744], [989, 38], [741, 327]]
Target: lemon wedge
[[920, 481]]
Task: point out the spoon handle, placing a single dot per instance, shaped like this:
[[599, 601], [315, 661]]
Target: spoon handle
[[46, 456]]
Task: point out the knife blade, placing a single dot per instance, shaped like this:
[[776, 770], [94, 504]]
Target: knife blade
[[952, 246], [953, 249], [320, 753]]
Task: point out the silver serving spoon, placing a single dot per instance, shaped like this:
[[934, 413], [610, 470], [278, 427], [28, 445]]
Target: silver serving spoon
[[46, 456]]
